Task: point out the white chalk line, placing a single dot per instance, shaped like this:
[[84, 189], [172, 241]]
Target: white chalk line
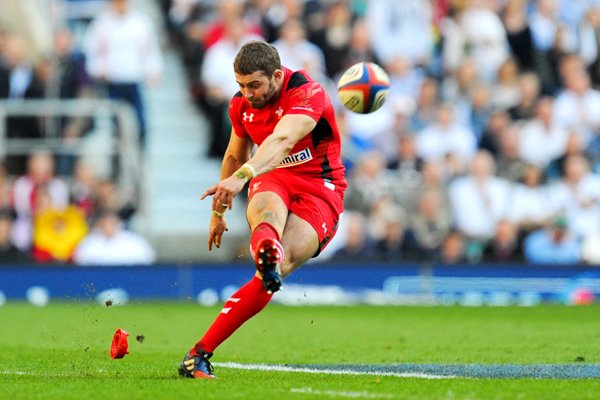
[[36, 374], [324, 371], [339, 393], [262, 367]]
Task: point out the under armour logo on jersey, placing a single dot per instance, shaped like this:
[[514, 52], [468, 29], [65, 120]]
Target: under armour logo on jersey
[[324, 226], [279, 112], [248, 117]]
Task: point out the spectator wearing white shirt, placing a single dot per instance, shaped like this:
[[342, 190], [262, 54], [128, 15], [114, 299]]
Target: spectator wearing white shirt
[[109, 244], [479, 199], [528, 200], [486, 38], [578, 197], [297, 53], [401, 29], [578, 106], [445, 138], [590, 250], [123, 52], [541, 139], [218, 80], [586, 30], [475, 31], [573, 14]]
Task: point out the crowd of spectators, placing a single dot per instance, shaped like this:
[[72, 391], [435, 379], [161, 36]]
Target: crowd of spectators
[[486, 150], [488, 146], [47, 219], [55, 205]]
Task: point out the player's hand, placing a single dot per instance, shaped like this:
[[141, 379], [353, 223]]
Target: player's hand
[[224, 192], [218, 225]]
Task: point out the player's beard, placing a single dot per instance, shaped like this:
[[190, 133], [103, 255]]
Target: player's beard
[[267, 98]]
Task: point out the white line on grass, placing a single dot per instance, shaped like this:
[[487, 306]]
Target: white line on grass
[[46, 374], [337, 393], [286, 368], [36, 374]]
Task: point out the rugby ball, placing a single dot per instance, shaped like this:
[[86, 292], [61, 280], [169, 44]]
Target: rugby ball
[[363, 87]]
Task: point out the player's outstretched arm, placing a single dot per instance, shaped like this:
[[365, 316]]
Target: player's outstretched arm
[[237, 153]]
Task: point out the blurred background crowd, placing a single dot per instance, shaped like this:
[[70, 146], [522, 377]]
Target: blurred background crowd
[[486, 150]]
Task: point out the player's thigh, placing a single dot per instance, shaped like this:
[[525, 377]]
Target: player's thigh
[[267, 207], [300, 242]]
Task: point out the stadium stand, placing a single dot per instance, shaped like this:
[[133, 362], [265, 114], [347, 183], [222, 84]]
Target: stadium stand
[[487, 80]]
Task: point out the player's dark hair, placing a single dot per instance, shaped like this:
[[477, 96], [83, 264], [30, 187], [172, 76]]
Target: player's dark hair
[[257, 56]]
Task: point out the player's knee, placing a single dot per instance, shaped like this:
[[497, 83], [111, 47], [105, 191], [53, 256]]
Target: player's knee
[[270, 217]]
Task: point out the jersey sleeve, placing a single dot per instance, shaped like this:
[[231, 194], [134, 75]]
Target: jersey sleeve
[[308, 99], [234, 117]]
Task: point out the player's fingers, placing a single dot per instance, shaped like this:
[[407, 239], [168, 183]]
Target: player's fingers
[[211, 240], [216, 204], [204, 195], [229, 201], [210, 191], [209, 243], [218, 237]]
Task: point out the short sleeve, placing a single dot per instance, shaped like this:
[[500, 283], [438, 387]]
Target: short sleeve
[[234, 113], [308, 99]]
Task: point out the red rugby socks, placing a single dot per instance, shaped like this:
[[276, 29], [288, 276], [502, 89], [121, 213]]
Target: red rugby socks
[[239, 308], [264, 230]]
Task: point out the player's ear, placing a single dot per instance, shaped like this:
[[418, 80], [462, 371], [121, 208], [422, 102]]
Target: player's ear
[[278, 74]]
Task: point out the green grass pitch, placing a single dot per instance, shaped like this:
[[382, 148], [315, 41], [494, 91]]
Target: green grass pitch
[[62, 351]]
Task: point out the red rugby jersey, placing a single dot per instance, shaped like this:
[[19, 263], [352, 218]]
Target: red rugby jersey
[[318, 153]]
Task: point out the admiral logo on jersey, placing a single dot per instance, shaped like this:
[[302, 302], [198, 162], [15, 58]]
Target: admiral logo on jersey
[[297, 158], [304, 108]]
